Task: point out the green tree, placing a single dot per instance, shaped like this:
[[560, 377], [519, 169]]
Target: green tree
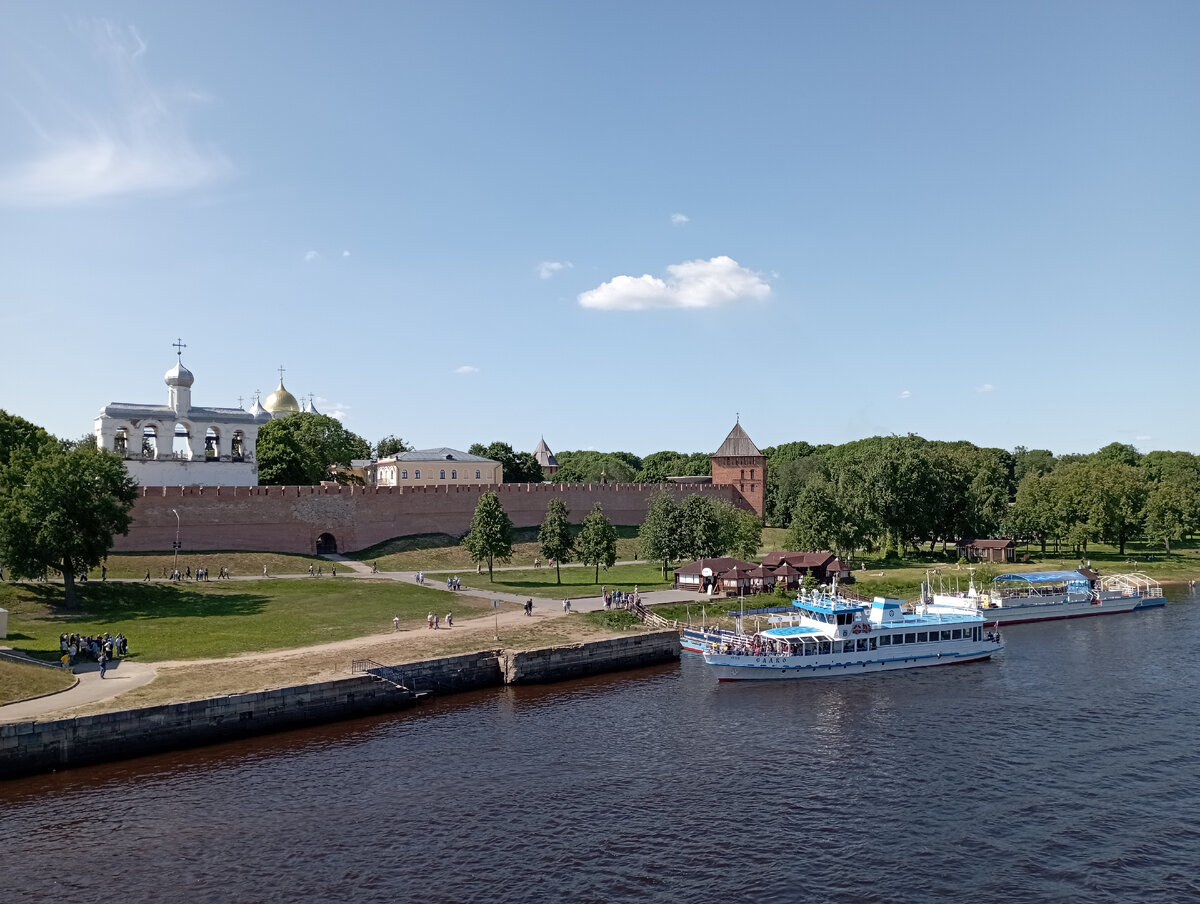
[[741, 530], [17, 433], [391, 445], [700, 534], [61, 510], [1119, 494], [661, 532], [554, 537], [1031, 461], [1168, 511], [491, 534], [519, 467], [596, 542], [319, 441]]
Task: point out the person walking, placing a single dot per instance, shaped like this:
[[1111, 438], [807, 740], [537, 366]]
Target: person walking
[[449, 619], [103, 664], [396, 623]]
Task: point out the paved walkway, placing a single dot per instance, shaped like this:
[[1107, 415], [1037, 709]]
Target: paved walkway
[[123, 675]]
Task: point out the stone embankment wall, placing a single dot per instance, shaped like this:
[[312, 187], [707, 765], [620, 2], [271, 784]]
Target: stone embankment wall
[[29, 747], [290, 519], [582, 659]]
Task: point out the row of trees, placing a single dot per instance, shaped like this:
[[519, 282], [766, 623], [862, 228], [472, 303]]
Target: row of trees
[[900, 491], [699, 527], [490, 539], [587, 466]]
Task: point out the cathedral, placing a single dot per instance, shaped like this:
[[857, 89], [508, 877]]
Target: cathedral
[[181, 444]]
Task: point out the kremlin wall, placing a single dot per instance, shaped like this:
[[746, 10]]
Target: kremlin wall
[[309, 519]]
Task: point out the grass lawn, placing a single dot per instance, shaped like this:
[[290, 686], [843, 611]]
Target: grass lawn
[[20, 682], [240, 564], [442, 552], [192, 621], [576, 582]]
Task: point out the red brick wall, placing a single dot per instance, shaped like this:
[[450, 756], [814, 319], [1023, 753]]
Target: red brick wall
[[289, 519], [745, 475]]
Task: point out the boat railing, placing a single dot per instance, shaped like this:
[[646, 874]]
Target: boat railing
[[1134, 583]]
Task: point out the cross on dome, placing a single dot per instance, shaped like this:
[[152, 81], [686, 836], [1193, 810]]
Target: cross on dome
[[179, 345]]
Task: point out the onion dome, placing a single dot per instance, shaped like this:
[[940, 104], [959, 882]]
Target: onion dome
[[281, 402], [260, 413], [179, 376]]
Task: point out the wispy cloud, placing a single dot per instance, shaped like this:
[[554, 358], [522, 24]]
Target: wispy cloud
[[692, 284], [466, 370], [546, 269], [905, 394], [345, 254], [680, 219], [986, 387], [137, 142], [310, 256]]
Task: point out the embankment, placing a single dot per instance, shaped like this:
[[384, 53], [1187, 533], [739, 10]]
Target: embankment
[[43, 746]]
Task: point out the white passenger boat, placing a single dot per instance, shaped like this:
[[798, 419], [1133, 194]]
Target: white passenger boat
[[1045, 595], [829, 637]]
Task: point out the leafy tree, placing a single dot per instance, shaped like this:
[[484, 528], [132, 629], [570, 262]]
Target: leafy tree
[[491, 534], [280, 459], [17, 433], [588, 466], [596, 542], [658, 466], [319, 441], [1119, 493], [741, 530], [700, 528], [391, 445], [1169, 512], [554, 537], [61, 510], [1118, 453], [660, 535], [519, 467], [1031, 461]]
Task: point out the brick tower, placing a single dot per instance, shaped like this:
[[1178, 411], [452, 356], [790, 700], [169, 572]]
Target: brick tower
[[739, 463]]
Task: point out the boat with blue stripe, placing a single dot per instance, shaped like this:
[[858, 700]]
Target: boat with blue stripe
[[827, 636], [1030, 596]]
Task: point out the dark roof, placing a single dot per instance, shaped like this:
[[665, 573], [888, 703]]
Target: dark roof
[[738, 444], [718, 565], [798, 559], [544, 456], [442, 453], [987, 544]]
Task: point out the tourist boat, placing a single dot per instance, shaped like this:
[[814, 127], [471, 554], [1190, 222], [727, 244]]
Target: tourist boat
[[1045, 595], [828, 636]]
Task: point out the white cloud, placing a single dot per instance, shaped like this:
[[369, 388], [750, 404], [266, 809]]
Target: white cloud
[[466, 370], [692, 284], [345, 254], [986, 387], [1145, 437], [906, 394], [136, 142], [546, 269], [310, 256], [680, 219]]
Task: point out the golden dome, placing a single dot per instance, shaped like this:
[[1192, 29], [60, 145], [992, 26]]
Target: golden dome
[[281, 402]]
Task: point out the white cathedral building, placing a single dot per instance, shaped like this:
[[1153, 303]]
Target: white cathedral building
[[179, 444]]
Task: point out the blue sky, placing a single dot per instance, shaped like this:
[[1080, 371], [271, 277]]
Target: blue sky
[[616, 225]]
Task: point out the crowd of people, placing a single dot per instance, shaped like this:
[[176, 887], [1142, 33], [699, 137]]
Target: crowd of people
[[201, 574], [98, 647], [435, 621]]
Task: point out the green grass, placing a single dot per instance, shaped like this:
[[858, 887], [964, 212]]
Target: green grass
[[576, 582], [177, 621], [442, 552], [240, 564], [20, 682]]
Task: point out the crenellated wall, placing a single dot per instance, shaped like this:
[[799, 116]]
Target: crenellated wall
[[290, 519]]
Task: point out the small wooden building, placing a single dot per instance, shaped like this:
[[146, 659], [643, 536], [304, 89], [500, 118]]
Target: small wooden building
[[1000, 550]]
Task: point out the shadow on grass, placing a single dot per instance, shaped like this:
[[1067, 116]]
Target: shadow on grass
[[128, 601]]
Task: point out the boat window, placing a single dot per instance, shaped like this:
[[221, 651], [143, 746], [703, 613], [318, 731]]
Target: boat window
[[922, 637], [910, 638], [824, 647], [885, 641], [945, 635], [862, 645], [956, 634], [871, 643]]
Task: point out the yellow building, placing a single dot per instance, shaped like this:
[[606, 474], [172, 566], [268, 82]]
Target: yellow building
[[430, 467]]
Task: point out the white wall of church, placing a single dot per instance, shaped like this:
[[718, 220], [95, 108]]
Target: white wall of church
[[181, 473]]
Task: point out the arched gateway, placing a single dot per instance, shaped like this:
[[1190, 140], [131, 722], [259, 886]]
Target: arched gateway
[[326, 545]]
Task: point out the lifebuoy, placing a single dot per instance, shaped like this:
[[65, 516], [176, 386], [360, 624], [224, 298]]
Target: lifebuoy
[[866, 628], [857, 629]]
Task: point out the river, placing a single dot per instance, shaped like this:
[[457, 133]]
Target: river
[[1066, 769]]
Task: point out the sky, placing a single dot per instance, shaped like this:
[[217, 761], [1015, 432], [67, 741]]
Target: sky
[[618, 226]]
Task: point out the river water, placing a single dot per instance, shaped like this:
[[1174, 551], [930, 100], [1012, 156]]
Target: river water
[[1066, 769]]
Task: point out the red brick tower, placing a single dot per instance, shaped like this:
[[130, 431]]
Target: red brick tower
[[739, 463]]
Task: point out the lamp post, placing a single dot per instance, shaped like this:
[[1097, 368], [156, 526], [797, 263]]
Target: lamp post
[[175, 545]]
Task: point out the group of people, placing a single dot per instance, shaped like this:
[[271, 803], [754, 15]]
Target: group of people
[[453, 583], [186, 575], [100, 648], [320, 571], [619, 598], [435, 621]]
